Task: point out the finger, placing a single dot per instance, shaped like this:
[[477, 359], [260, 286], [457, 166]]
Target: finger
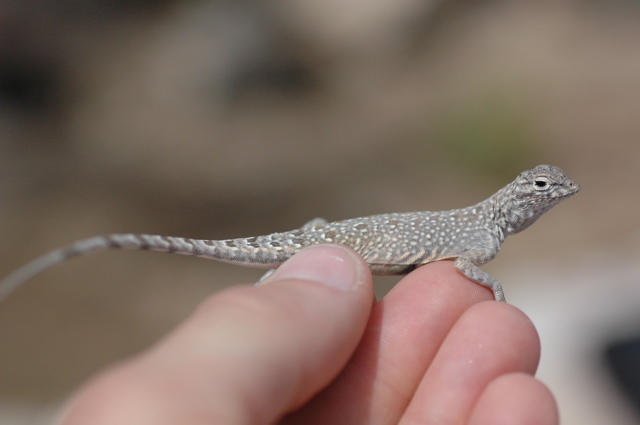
[[403, 335], [489, 340], [515, 398], [247, 355]]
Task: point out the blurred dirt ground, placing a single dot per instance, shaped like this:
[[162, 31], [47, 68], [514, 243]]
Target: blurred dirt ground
[[224, 119]]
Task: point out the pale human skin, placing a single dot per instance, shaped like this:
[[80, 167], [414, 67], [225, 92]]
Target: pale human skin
[[312, 347]]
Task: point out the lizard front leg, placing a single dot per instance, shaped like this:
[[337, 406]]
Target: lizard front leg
[[467, 267]]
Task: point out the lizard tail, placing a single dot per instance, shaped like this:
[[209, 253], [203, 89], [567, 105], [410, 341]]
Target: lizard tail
[[217, 250]]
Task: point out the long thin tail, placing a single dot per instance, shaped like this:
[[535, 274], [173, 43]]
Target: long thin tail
[[46, 261], [233, 251]]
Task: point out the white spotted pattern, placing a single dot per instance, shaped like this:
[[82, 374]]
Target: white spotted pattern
[[390, 243]]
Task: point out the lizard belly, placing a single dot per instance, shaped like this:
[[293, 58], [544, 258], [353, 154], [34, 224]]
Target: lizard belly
[[402, 267]]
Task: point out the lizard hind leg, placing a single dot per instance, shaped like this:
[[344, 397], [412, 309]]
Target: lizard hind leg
[[465, 266], [318, 221]]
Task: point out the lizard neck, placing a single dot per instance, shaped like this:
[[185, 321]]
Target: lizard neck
[[510, 211], [491, 215]]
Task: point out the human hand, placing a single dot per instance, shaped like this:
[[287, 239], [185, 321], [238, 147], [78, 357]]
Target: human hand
[[311, 346]]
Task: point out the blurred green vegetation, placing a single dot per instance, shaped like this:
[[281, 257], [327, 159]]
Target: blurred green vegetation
[[488, 135]]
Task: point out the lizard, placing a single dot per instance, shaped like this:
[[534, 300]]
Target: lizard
[[391, 244]]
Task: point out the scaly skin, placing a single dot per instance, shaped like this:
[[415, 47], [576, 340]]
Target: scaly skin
[[392, 244]]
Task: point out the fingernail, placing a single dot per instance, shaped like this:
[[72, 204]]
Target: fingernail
[[331, 265]]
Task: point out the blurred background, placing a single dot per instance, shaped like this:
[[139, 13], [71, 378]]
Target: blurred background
[[220, 119]]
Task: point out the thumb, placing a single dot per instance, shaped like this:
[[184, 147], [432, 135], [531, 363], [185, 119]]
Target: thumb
[[248, 355]]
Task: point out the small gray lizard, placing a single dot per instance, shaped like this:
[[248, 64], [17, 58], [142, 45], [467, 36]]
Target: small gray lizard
[[392, 244]]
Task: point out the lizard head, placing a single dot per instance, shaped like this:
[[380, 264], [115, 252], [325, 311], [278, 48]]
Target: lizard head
[[533, 193]]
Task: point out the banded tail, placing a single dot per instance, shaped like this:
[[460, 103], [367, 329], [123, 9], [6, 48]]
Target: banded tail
[[251, 252]]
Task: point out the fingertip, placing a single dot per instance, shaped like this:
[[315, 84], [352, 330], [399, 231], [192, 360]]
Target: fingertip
[[515, 398], [334, 266], [506, 322], [440, 282]]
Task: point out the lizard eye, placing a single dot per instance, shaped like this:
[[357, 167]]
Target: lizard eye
[[542, 183]]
